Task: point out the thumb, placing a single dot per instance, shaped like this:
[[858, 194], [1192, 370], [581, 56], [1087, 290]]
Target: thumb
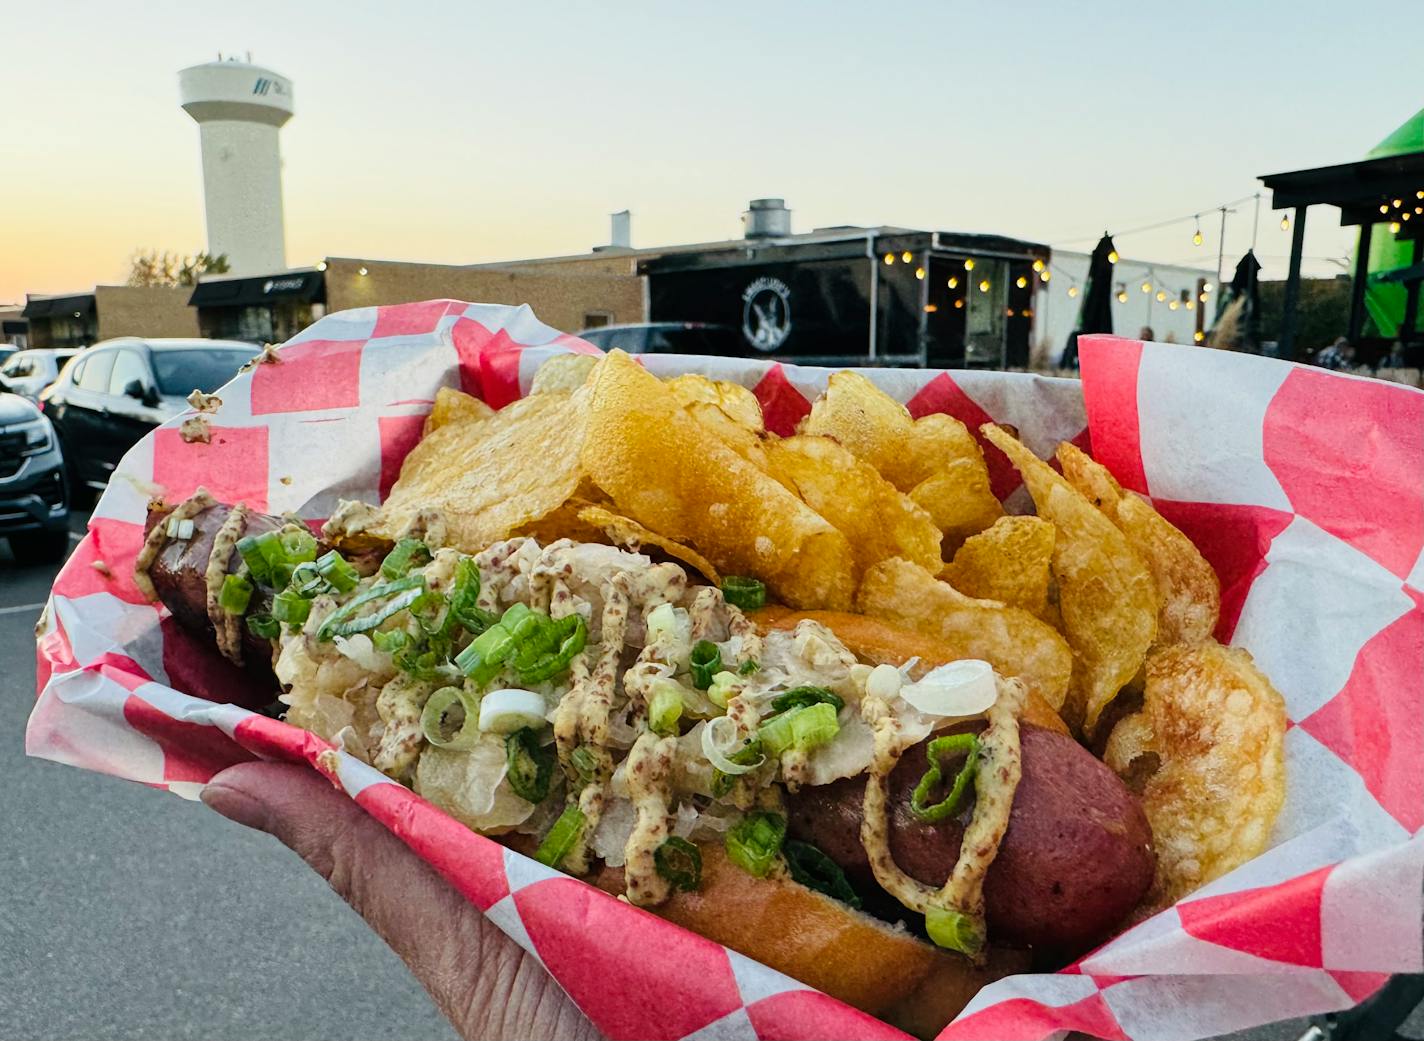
[[484, 983]]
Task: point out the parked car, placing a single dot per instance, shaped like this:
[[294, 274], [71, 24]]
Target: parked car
[[34, 511], [31, 370], [669, 338], [108, 397]]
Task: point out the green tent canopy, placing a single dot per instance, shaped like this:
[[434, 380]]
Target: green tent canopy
[[1384, 301]]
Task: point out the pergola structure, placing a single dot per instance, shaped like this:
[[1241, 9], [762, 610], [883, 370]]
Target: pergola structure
[[1389, 191]]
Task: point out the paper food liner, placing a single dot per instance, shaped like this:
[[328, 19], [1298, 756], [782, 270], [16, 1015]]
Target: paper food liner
[[1304, 488]]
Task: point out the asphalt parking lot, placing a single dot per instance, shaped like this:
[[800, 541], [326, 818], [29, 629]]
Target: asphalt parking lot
[[129, 913]]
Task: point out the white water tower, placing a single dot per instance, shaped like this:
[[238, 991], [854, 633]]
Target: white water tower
[[239, 108]]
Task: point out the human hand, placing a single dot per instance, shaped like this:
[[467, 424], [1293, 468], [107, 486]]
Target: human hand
[[484, 983]]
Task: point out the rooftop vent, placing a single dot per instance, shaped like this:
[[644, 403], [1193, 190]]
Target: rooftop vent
[[766, 219]]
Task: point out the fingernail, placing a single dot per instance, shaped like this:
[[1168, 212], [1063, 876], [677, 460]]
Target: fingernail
[[237, 805]]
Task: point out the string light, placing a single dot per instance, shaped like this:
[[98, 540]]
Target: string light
[[1384, 208], [907, 256], [1072, 291], [1206, 287], [1009, 312], [1191, 305], [1394, 227], [1122, 296], [959, 303], [968, 263], [1404, 216], [953, 282], [1161, 295], [1044, 276], [889, 258], [1197, 235], [321, 266], [1285, 222], [1172, 306], [1147, 287], [1198, 336], [1038, 264], [362, 272], [984, 286], [931, 308], [1202, 298], [920, 274], [1112, 256], [1419, 194], [1021, 281], [1398, 203]]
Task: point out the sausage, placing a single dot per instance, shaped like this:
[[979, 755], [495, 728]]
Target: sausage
[[1076, 860]]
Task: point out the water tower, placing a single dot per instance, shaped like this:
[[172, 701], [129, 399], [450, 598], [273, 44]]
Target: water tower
[[239, 108]]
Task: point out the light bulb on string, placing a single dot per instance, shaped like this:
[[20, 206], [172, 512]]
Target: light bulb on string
[[953, 282], [1285, 222], [1044, 276], [1384, 208], [1122, 296], [1198, 336], [959, 303], [1038, 265], [1147, 287], [1172, 306], [1405, 215], [1394, 227], [1202, 298], [1197, 235], [1161, 296], [1072, 291], [1398, 203], [1206, 287], [984, 286], [968, 263], [920, 274], [1191, 305], [907, 256], [1021, 282], [1419, 194], [1112, 256], [889, 258]]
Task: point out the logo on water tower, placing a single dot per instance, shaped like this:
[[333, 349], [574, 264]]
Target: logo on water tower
[[766, 313]]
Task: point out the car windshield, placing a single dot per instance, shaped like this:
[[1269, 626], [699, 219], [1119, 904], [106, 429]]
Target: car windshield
[[180, 372]]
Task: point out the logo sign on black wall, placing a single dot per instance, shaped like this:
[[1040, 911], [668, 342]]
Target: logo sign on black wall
[[766, 313]]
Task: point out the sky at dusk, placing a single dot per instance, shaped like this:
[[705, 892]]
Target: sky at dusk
[[469, 132]]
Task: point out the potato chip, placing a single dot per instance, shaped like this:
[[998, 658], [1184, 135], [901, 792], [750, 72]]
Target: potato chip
[[628, 533], [934, 459], [1188, 591], [1216, 727], [1010, 562], [565, 522], [745, 442], [454, 406], [491, 478], [1105, 592], [1012, 640], [563, 373], [879, 521], [663, 469], [735, 400]]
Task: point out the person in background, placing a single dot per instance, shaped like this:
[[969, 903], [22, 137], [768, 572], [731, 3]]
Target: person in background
[[1339, 355], [1395, 358], [1146, 333]]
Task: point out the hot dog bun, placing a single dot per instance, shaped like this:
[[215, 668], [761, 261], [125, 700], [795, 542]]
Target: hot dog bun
[[878, 968]]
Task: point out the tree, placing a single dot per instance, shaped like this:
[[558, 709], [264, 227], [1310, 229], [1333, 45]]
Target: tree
[[148, 267]]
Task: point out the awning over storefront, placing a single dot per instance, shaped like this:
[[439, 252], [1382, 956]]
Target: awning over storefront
[[288, 286], [58, 306]]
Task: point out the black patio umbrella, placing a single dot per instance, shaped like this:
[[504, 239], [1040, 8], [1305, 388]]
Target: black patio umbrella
[[1095, 316], [1245, 287]]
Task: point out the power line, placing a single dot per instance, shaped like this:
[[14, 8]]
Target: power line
[[1158, 224]]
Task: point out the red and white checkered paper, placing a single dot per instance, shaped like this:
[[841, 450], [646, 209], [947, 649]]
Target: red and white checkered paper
[[1304, 488]]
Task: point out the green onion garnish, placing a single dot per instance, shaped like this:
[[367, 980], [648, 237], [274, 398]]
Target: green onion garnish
[[562, 838], [408, 553], [800, 728], [754, 842], [235, 595], [465, 595], [938, 748], [724, 686], [747, 755], [289, 607], [814, 870], [306, 580], [343, 621], [433, 722], [263, 626], [551, 650], [706, 662], [955, 930], [746, 593], [250, 547], [389, 640], [585, 762], [665, 709], [680, 862], [748, 667], [530, 765], [298, 545], [800, 697], [340, 575]]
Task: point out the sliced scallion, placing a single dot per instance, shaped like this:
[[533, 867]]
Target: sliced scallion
[[562, 838], [436, 727]]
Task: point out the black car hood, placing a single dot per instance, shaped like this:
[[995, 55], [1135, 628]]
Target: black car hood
[[15, 409]]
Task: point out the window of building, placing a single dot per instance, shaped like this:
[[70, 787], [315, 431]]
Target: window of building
[[597, 319]]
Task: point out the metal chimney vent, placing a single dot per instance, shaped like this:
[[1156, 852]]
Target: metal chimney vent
[[621, 234], [766, 218]]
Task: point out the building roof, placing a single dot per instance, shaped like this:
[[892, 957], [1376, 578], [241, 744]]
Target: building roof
[[1365, 191], [44, 306]]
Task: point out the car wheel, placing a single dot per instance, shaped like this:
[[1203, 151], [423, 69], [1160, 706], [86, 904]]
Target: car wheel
[[39, 547]]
